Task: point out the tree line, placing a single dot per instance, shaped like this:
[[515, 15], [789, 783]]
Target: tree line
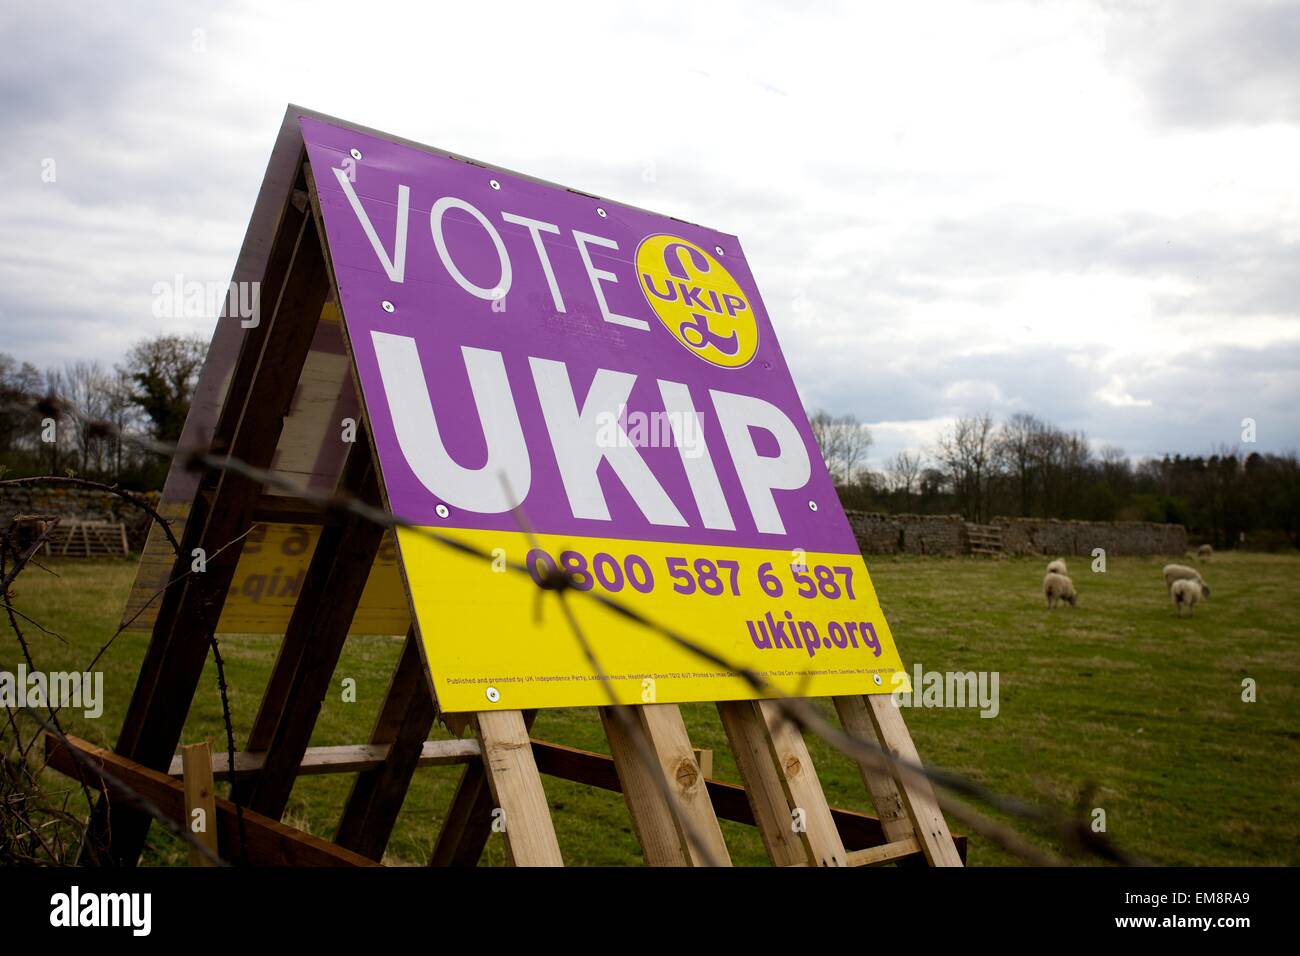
[[978, 467], [1026, 467], [150, 390]]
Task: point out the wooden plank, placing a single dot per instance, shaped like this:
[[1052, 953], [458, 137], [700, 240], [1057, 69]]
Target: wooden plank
[[404, 722], [885, 853], [802, 788], [704, 758], [299, 640], [918, 795], [652, 817], [254, 344], [200, 800], [666, 830], [347, 758], [313, 641], [467, 826], [885, 796], [190, 610], [750, 745], [666, 730], [517, 788], [267, 842]]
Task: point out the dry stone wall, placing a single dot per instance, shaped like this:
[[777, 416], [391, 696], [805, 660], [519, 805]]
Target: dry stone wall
[[83, 504], [945, 535]]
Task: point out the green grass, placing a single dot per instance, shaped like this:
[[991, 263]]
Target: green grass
[[1117, 695]]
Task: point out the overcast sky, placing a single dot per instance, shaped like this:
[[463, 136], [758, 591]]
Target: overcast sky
[[1088, 210]]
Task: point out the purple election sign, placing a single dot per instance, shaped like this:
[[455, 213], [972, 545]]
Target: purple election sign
[[613, 376]]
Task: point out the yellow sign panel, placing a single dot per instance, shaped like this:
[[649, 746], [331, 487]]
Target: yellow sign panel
[[271, 569], [796, 626]]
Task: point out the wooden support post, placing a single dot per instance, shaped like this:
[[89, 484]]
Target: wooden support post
[[404, 723], [517, 788], [704, 758], [813, 824], [272, 357], [664, 829], [885, 796], [468, 824], [200, 800], [789, 806], [313, 641], [931, 830], [748, 737]]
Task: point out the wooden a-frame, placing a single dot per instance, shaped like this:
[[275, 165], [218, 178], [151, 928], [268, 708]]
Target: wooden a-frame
[[286, 251]]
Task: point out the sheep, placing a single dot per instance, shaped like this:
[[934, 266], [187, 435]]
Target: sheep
[[1058, 587], [1186, 592], [1181, 572], [1204, 552], [1058, 567]]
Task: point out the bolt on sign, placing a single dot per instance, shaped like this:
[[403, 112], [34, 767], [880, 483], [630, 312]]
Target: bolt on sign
[[566, 383]]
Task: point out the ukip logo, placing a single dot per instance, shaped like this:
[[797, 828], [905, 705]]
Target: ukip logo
[[697, 300]]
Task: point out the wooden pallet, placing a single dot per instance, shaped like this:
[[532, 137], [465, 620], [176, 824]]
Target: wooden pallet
[[88, 539], [502, 770], [984, 539]]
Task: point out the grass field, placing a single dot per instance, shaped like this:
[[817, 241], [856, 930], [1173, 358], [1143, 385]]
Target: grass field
[[1116, 694]]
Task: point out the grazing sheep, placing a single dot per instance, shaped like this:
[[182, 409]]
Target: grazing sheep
[[1205, 552], [1058, 567], [1057, 587], [1186, 592], [1181, 572]]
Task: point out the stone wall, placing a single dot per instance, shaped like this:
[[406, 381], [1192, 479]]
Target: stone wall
[[82, 503], [945, 535], [1051, 537], [908, 534]]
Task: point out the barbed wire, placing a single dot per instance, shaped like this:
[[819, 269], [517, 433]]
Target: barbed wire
[[1074, 835], [143, 505]]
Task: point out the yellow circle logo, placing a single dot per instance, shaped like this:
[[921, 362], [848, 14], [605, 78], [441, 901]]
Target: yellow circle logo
[[697, 300]]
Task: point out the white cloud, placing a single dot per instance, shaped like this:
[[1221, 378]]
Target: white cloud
[[950, 208]]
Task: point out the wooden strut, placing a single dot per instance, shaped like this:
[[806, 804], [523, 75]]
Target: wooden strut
[[313, 641], [258, 399], [501, 788]]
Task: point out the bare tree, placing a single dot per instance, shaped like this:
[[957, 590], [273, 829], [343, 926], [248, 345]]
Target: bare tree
[[904, 470], [966, 452], [90, 390], [1017, 448], [843, 442]]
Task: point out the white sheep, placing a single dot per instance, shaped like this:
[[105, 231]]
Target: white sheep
[[1186, 592], [1058, 587], [1181, 572], [1058, 567], [1204, 552]]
